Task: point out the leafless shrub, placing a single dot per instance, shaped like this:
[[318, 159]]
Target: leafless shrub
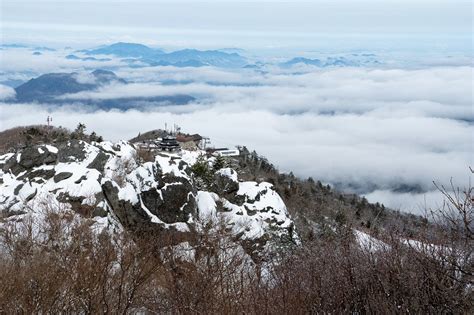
[[145, 155], [124, 167], [60, 265]]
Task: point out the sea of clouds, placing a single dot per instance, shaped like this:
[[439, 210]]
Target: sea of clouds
[[387, 133]]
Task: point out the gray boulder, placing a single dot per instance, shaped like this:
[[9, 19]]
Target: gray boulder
[[37, 156], [130, 215], [62, 176], [71, 151], [99, 162], [179, 200], [29, 158], [225, 181]]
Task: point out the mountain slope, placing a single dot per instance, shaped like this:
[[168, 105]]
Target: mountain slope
[[48, 86], [199, 57], [181, 58], [329, 62], [59, 88], [125, 50], [79, 222]]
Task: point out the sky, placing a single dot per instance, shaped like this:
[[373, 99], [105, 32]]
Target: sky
[[369, 129], [284, 25]]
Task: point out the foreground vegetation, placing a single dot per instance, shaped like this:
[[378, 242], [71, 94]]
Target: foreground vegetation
[[61, 266], [58, 262]]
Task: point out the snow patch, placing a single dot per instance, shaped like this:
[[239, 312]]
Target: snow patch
[[370, 243], [228, 172]]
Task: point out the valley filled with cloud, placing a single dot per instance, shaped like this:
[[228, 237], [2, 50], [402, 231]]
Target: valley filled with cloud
[[386, 131]]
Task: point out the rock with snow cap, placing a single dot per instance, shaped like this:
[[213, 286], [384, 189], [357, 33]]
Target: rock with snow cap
[[71, 151], [225, 181], [178, 195], [128, 210], [110, 184]]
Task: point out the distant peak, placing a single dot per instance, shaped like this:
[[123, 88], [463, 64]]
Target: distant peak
[[101, 72], [123, 44]]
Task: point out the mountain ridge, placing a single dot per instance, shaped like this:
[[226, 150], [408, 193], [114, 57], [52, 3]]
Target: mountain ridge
[[178, 58], [50, 88], [113, 185]]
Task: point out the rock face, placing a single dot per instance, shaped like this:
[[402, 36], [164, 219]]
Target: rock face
[[106, 182], [226, 181]]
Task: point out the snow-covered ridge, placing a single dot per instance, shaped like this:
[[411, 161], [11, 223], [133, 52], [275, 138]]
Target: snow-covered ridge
[[110, 184]]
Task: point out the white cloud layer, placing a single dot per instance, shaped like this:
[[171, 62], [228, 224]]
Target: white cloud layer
[[417, 203], [374, 130], [14, 61], [6, 92]]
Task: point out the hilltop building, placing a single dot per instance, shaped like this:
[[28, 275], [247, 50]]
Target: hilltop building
[[223, 152], [189, 142], [169, 143]]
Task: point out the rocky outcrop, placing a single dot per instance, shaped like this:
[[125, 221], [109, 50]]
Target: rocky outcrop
[[178, 200], [225, 181], [29, 158], [99, 162], [130, 214], [36, 156], [107, 181], [71, 151]]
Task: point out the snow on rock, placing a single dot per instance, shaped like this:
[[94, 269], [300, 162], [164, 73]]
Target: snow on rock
[[228, 172], [108, 182], [262, 210], [128, 193], [51, 149], [70, 173], [172, 164], [255, 212], [434, 251], [191, 157], [207, 207]]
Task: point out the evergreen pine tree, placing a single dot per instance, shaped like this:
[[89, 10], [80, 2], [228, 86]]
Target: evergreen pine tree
[[79, 132], [219, 163]]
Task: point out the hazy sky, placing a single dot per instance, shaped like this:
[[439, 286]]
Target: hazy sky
[[336, 24]]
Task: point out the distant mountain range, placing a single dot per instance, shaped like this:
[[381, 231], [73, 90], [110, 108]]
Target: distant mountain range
[[367, 59], [180, 58], [137, 55], [49, 88], [125, 50], [329, 62], [74, 57]]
